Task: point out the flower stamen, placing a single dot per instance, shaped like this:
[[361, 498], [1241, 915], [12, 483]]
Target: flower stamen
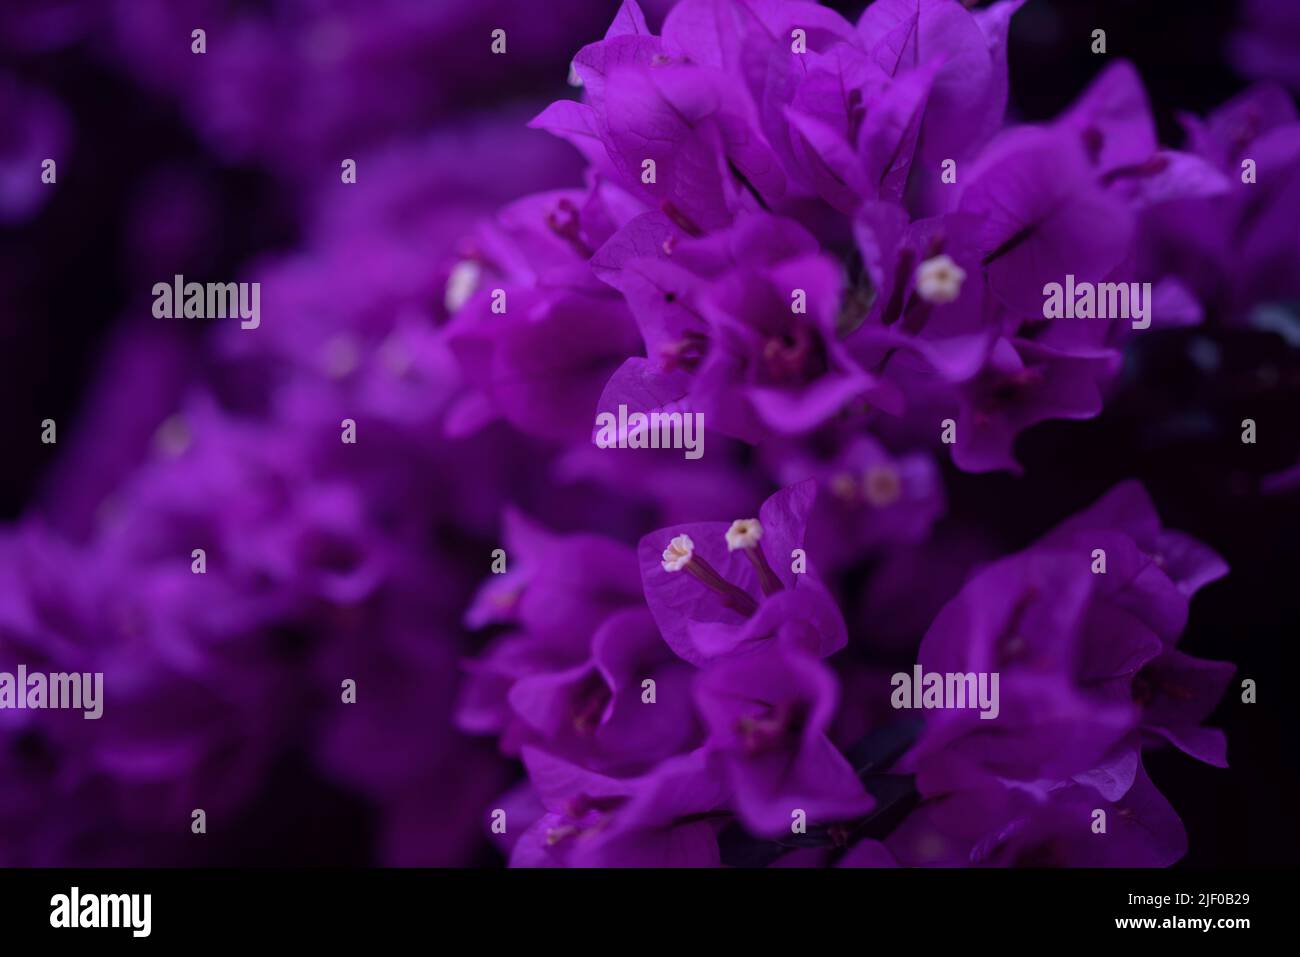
[[939, 280], [744, 534], [565, 222], [680, 556]]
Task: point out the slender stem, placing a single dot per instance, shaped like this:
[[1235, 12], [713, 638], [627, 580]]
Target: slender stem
[[766, 577], [732, 596]]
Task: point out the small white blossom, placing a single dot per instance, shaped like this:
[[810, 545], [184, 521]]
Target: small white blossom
[[461, 283], [744, 533], [678, 553], [939, 280]]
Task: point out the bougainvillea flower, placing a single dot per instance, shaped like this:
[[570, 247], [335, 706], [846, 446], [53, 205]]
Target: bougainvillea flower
[[1043, 216], [668, 818], [556, 587], [1177, 692], [453, 630], [970, 89], [767, 714], [718, 588], [1071, 642], [1170, 556], [1230, 249], [601, 712], [868, 499], [987, 824], [1022, 384], [754, 350]]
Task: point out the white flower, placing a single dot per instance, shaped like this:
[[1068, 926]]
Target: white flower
[[678, 553], [939, 280], [461, 283], [744, 533], [882, 485]]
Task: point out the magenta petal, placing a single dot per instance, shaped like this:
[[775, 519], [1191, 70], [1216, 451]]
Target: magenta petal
[[1044, 217]]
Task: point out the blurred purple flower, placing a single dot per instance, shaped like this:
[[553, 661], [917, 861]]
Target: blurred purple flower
[[36, 129], [767, 715]]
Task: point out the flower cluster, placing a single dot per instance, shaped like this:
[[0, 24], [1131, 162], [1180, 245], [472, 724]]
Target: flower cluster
[[786, 234], [1090, 674], [653, 715], [821, 236]]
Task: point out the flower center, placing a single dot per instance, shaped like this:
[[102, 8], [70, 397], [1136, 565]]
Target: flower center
[[771, 729], [844, 487], [686, 353], [882, 485], [1010, 389], [793, 357], [939, 280], [564, 220], [590, 705]]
